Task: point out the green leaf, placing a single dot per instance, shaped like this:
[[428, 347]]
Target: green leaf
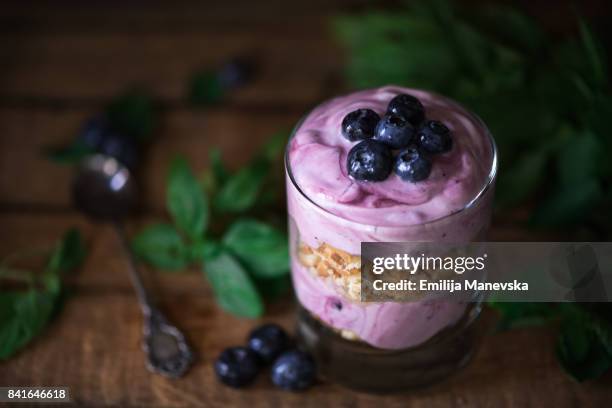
[[219, 171], [523, 314], [579, 159], [274, 147], [68, 253], [233, 288], [263, 249], [523, 177], [162, 246], [186, 200], [23, 316], [580, 352], [204, 89], [132, 114], [71, 154], [240, 192], [568, 204], [594, 55], [510, 27], [273, 288]]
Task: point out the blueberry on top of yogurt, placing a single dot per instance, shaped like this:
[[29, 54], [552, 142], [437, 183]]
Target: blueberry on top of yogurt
[[412, 165], [434, 137], [359, 124], [394, 131], [408, 107], [369, 160]]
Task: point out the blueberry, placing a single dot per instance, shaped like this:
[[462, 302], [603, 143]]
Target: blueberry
[[237, 366], [359, 124], [236, 72], [294, 370], [394, 131], [434, 137], [412, 165], [122, 148], [369, 160], [268, 341], [408, 107], [93, 132]]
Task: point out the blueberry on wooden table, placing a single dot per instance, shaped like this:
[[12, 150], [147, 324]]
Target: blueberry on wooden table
[[268, 341], [294, 371], [237, 366]]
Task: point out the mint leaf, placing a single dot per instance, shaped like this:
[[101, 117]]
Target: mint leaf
[[273, 288], [219, 171], [23, 316], [579, 159], [132, 114], [233, 288], [240, 192], [579, 350], [523, 177], [186, 200], [68, 154], [205, 88], [68, 253], [594, 55], [263, 249], [568, 204], [523, 314], [162, 246]]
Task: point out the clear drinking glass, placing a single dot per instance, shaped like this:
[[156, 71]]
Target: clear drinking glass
[[434, 350]]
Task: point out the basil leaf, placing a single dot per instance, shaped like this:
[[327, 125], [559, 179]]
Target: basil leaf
[[186, 200], [161, 246], [23, 316], [240, 192], [263, 249], [233, 288], [69, 253]]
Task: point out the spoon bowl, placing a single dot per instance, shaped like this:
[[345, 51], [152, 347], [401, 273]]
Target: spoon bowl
[[104, 189]]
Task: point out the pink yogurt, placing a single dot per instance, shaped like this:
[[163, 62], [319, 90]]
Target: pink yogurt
[[326, 206]]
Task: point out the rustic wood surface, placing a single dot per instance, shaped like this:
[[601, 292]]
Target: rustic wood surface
[[59, 64]]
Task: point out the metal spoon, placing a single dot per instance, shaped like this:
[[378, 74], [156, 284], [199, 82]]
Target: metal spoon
[[105, 191]]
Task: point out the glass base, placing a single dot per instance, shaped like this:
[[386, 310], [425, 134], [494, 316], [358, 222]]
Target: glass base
[[357, 365]]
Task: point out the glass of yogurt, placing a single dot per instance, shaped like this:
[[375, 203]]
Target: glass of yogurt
[[334, 205]]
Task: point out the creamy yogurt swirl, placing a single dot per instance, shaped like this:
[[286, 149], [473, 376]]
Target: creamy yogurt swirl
[[318, 154]]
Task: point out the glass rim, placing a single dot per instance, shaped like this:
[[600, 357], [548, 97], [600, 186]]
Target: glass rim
[[487, 185]]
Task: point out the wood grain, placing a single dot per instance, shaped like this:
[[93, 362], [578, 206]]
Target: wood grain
[[93, 347]]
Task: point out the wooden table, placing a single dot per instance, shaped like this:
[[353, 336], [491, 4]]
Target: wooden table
[[58, 65]]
